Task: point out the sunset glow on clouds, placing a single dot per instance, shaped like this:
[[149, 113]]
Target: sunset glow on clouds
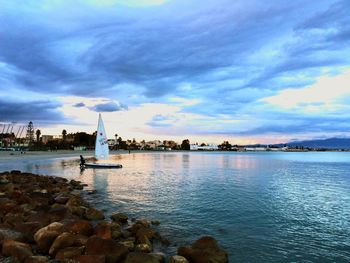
[[244, 71]]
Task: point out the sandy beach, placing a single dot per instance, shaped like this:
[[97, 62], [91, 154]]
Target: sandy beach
[[5, 155]]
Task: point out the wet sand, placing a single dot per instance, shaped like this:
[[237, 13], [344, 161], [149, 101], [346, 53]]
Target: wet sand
[[43, 154]]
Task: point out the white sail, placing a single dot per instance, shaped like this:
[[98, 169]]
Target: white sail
[[101, 146]]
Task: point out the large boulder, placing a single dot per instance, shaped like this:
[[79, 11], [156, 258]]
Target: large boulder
[[77, 200], [204, 250], [90, 258], [40, 216], [82, 227], [6, 233], [178, 259], [64, 240], [28, 229], [45, 236], [59, 212], [138, 257], [18, 250], [119, 218], [62, 198], [36, 259], [69, 252], [103, 229], [93, 214], [113, 251]]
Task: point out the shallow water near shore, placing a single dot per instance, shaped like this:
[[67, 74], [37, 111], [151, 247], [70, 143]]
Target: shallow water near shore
[[261, 207]]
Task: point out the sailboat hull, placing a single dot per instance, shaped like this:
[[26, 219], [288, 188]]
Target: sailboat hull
[[102, 165]]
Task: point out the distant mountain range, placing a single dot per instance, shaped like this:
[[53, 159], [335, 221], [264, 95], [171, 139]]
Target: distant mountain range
[[331, 143]]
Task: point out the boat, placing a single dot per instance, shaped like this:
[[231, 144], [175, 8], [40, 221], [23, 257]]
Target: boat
[[101, 149], [102, 165]]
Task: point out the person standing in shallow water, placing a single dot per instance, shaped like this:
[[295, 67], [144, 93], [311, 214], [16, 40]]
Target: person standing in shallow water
[[82, 160]]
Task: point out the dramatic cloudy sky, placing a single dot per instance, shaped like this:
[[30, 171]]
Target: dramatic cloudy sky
[[207, 70]]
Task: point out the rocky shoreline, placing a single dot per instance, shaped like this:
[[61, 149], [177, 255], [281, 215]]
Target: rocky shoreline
[[46, 219]]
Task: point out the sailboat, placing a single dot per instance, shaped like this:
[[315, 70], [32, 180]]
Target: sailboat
[[101, 148]]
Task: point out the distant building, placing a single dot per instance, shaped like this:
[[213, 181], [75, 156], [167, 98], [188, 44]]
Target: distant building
[[46, 138], [111, 142], [209, 147], [152, 145], [255, 149], [194, 147]]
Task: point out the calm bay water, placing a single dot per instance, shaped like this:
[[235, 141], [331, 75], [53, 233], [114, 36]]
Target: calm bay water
[[261, 207]]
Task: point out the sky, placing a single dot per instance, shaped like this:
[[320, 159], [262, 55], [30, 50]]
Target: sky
[[246, 71]]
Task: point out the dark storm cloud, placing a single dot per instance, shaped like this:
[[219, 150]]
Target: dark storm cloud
[[42, 111]]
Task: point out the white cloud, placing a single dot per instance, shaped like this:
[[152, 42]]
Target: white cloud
[[324, 95]]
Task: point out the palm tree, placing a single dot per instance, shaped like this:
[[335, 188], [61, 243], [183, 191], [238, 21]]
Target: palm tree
[[64, 135], [38, 133]]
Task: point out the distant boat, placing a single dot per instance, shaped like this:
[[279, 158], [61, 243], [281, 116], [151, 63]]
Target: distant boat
[[101, 148]]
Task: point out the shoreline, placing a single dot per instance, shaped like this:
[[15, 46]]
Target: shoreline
[[45, 218]]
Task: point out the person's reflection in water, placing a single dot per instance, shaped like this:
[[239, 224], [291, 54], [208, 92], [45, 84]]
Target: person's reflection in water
[[82, 161]]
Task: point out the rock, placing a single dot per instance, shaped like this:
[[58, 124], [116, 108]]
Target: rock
[[45, 236], [6, 233], [205, 243], [204, 250], [90, 258], [113, 251], [78, 210], [77, 200], [129, 244], [64, 240], [4, 181], [158, 256], [82, 227], [140, 231], [76, 185], [39, 198], [137, 257], [126, 234], [94, 214], [69, 252], [116, 234], [80, 240], [16, 249], [103, 229], [119, 218], [185, 252], [55, 226], [28, 229], [8, 188], [58, 213], [143, 247], [36, 259], [13, 219], [143, 222], [144, 235], [7, 205], [177, 259], [92, 192], [62, 198], [155, 222], [39, 216], [116, 230]]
